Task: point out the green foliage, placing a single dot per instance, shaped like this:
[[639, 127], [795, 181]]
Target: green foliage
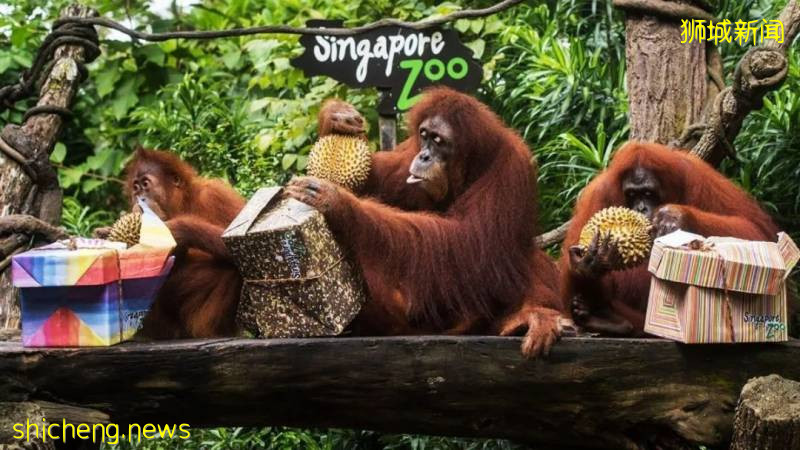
[[285, 438], [236, 108], [560, 82], [80, 220]]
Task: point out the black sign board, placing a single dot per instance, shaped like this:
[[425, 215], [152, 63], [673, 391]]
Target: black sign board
[[399, 61]]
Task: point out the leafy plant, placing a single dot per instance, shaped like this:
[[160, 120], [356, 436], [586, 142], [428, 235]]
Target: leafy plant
[[80, 220], [236, 108]]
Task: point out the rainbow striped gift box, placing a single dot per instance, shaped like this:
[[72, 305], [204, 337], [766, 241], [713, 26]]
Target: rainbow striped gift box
[[91, 292], [719, 290]]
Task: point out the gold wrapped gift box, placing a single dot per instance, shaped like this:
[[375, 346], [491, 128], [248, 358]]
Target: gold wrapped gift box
[[298, 281]]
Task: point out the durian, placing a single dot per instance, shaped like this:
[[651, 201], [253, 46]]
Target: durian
[[126, 229], [344, 160], [628, 229]]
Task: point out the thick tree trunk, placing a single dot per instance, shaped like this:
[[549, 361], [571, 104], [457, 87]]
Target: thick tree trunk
[[35, 192], [667, 80], [768, 415]]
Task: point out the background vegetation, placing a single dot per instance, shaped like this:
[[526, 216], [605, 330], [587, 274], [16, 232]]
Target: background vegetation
[[554, 70]]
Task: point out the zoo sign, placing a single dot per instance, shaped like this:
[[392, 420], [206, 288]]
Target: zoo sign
[[399, 61]]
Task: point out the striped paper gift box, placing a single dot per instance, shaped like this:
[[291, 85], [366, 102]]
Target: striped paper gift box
[[91, 292], [728, 290]]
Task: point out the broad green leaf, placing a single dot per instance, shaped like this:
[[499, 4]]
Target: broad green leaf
[[493, 25], [302, 162], [281, 64], [231, 59], [125, 98], [259, 104], [59, 152], [23, 59], [288, 160], [5, 62], [129, 64], [169, 46], [70, 176], [91, 184], [265, 141], [478, 46], [19, 36], [152, 53], [95, 162], [476, 26], [104, 80]]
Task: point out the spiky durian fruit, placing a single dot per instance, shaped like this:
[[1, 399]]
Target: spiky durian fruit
[[344, 160], [629, 231], [126, 229]]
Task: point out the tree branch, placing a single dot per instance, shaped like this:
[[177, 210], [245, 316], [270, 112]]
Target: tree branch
[[553, 236], [30, 225], [285, 29], [760, 71]]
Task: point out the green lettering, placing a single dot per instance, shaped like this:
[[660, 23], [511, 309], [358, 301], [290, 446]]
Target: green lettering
[[415, 66], [439, 65], [451, 68]]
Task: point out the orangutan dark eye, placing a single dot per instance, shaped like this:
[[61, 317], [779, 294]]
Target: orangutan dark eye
[[423, 133], [437, 140]]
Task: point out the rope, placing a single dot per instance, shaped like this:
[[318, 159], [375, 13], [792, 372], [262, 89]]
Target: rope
[[19, 158]]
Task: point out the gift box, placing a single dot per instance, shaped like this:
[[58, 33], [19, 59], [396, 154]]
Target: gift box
[[91, 292], [298, 281], [719, 290]]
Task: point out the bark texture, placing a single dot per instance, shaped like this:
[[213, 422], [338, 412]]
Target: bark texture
[[768, 415], [667, 80], [760, 71], [32, 188]]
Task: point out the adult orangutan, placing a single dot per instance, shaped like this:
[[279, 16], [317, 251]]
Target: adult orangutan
[[444, 228], [676, 191], [199, 297]]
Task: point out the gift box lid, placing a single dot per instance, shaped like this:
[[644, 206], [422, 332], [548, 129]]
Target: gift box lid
[[246, 220], [83, 261], [756, 267], [275, 238]]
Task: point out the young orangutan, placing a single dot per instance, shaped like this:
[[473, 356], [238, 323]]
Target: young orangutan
[[200, 296]]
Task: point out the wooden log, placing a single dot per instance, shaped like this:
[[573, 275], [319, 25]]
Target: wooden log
[[768, 415], [612, 393], [33, 141], [19, 413]]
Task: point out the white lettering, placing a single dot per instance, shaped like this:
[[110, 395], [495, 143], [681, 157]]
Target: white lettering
[[437, 45], [395, 46], [333, 49], [322, 50]]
